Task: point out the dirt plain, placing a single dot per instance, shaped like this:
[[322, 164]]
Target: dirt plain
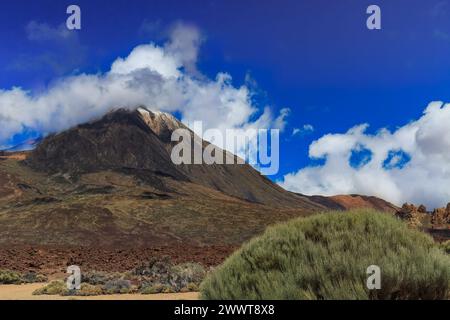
[[53, 261], [25, 292]]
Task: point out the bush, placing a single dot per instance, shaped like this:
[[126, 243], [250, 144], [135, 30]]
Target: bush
[[191, 287], [152, 288], [117, 286], [446, 246], [98, 277], [32, 277], [10, 277], [184, 274], [326, 257], [85, 290], [57, 287], [154, 267], [161, 276]]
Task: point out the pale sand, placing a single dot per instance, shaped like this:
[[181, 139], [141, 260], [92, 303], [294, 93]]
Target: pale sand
[[24, 292]]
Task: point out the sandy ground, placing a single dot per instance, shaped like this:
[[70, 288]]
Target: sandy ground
[[24, 292]]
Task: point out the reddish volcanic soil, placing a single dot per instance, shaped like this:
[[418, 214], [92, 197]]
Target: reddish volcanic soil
[[52, 260], [349, 202]]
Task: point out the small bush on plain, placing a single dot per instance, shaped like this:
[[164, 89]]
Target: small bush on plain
[[10, 277], [117, 286], [57, 287]]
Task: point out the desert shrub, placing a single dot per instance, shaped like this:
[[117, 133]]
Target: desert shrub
[[191, 287], [10, 277], [184, 274], [99, 277], [161, 276], [85, 290], [117, 286], [326, 257], [154, 268], [150, 288], [57, 287], [33, 277], [446, 246], [168, 289]]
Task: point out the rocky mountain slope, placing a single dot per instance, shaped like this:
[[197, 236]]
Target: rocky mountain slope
[[110, 184], [139, 143]]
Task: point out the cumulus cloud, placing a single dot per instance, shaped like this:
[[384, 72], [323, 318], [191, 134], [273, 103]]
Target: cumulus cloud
[[410, 164], [160, 77]]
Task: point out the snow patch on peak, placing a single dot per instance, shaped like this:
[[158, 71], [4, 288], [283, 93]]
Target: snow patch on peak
[[162, 123]]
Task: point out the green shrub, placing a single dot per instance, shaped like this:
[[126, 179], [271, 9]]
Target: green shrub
[[99, 277], [156, 276], [10, 277], [184, 274], [32, 277], [152, 288], [168, 289], [326, 257], [57, 287], [446, 246], [154, 268], [191, 287], [85, 290], [117, 286]]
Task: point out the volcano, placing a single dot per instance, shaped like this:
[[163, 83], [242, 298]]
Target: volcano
[[110, 185], [138, 143]]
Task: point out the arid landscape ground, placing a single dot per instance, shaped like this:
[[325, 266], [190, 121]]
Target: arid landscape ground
[[25, 292]]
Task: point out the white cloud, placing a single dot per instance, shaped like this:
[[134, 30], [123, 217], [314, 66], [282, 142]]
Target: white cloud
[[280, 121], [159, 77], [305, 129], [148, 57], [43, 32], [425, 178]]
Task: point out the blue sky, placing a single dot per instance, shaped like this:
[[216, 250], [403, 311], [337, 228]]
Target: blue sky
[[315, 57]]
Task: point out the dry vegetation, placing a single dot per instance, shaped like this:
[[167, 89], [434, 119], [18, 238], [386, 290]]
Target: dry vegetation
[[155, 276]]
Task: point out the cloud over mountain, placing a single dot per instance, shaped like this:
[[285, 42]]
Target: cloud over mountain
[[410, 164], [161, 77]]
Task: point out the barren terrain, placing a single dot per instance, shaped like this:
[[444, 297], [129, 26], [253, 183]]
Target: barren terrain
[[25, 292]]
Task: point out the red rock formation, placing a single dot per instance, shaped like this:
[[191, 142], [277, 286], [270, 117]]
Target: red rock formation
[[411, 214], [441, 216]]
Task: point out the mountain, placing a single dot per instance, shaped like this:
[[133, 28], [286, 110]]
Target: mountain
[[354, 201], [106, 188], [139, 143]]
